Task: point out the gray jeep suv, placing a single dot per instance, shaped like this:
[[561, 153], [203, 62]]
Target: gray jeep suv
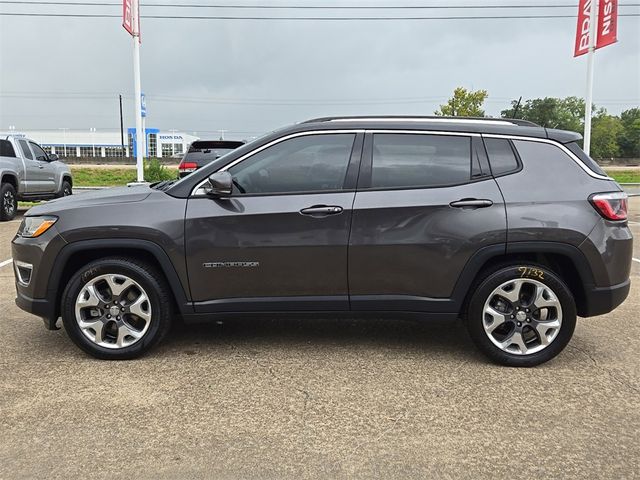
[[504, 223]]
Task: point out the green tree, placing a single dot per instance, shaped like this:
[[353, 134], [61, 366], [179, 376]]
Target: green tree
[[629, 138], [563, 113], [464, 103], [605, 132]]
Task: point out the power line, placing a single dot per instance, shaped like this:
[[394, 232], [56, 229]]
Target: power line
[[235, 17], [303, 7]]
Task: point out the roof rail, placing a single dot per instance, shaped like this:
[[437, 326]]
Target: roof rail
[[414, 118]]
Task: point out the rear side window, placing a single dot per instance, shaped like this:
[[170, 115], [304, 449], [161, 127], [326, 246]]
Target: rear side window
[[412, 160], [25, 149], [501, 155], [6, 149]]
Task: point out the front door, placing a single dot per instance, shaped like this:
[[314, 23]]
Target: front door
[[45, 169], [425, 204], [280, 241]]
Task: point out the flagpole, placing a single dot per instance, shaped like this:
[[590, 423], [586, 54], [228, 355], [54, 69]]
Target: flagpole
[[138, 91], [590, 67]]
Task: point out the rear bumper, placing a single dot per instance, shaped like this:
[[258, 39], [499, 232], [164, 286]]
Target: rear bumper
[[601, 300]]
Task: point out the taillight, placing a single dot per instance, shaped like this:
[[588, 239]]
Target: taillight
[[612, 206], [188, 166]]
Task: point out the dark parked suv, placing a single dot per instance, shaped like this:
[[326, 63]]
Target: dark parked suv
[[504, 223]]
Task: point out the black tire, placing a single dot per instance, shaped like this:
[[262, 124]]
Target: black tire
[[66, 190], [8, 202], [153, 284], [476, 316]]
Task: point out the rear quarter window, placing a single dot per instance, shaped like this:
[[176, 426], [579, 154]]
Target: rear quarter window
[[538, 153], [502, 158]]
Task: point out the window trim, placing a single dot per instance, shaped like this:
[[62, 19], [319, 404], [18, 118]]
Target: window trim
[[366, 169], [46, 155], [198, 190], [562, 147]]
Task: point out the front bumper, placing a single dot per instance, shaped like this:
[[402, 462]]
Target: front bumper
[[601, 300], [40, 307]]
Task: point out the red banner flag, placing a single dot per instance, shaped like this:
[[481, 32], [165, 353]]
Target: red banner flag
[[582, 30], [127, 16], [607, 23]]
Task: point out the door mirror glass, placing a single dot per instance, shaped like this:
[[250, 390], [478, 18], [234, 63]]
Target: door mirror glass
[[220, 184], [53, 157]]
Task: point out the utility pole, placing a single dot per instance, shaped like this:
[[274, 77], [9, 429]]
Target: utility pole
[[121, 127]]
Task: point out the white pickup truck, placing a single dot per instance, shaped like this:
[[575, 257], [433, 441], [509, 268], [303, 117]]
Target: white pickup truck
[[28, 173]]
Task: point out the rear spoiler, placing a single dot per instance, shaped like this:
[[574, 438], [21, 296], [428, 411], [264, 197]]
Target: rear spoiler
[[563, 136]]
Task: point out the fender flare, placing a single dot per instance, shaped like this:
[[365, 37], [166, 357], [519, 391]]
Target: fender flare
[[183, 303]]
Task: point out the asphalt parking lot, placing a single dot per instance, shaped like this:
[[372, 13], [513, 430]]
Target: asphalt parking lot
[[319, 399]]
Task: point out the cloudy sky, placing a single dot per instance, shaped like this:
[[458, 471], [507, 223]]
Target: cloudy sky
[[251, 76]]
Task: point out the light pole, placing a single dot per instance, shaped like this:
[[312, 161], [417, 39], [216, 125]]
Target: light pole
[[64, 140], [93, 140]]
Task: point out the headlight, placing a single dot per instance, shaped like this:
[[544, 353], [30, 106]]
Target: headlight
[[33, 227]]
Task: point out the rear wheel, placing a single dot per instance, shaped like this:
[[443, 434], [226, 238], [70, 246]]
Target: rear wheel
[[8, 202], [522, 315], [116, 308]]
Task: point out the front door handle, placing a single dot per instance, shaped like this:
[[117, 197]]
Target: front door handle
[[321, 210], [471, 203]]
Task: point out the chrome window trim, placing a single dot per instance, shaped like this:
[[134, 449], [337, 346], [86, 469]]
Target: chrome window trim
[[571, 155], [422, 132]]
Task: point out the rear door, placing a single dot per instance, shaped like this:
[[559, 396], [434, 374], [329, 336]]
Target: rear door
[[280, 241], [426, 203]]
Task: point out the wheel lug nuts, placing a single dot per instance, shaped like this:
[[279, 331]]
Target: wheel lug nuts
[[122, 309], [527, 310], [528, 320], [118, 317], [513, 316], [519, 324], [108, 316]]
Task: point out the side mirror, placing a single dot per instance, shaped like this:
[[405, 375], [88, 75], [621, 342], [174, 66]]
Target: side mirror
[[53, 157], [220, 184]]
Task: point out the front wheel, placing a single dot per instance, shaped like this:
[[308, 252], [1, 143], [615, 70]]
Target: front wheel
[[116, 308], [522, 315], [8, 202], [66, 190]]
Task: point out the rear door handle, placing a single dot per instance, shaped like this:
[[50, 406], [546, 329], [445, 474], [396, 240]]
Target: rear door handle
[[321, 210], [471, 203]]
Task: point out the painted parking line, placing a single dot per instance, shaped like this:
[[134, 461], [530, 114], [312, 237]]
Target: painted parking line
[[7, 262], [636, 260]]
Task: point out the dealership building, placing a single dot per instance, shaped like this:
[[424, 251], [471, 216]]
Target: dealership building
[[68, 143]]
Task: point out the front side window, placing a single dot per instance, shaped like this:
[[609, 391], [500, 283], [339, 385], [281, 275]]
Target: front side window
[[414, 160], [39, 152], [25, 149], [501, 155], [310, 163]]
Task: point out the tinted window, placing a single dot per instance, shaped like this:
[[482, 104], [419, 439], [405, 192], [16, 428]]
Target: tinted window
[[407, 160], [6, 149], [25, 149], [39, 152], [202, 157], [501, 155], [302, 164]]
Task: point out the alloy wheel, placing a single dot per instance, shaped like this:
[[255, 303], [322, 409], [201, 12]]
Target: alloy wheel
[[113, 311], [9, 203], [522, 316]]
